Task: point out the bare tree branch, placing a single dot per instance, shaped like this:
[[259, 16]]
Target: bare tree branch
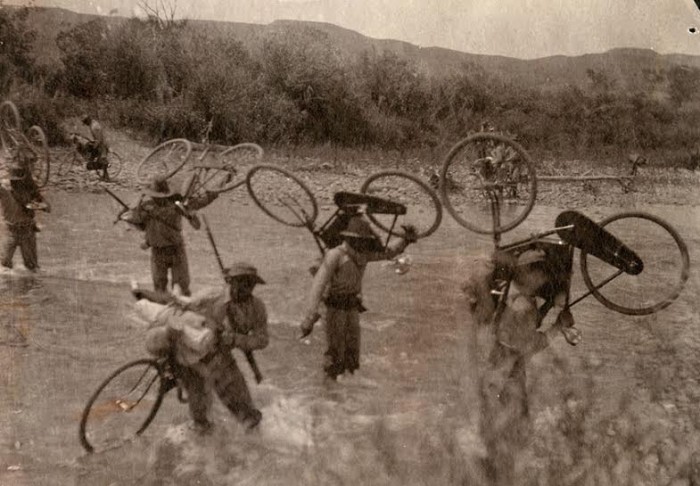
[[161, 12]]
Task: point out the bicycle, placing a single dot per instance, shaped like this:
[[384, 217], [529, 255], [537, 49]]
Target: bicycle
[[126, 402], [170, 159], [483, 166], [627, 182], [490, 164], [11, 137], [638, 280], [653, 273], [390, 199], [83, 154]]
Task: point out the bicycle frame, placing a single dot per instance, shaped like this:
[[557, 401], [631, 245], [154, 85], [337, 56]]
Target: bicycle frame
[[205, 173], [347, 210], [502, 287]]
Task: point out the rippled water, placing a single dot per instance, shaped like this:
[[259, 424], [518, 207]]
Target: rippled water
[[410, 419]]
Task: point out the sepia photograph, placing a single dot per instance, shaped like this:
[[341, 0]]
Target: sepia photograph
[[349, 242]]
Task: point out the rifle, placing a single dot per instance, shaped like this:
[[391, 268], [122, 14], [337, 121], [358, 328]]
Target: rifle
[[121, 203], [248, 354]]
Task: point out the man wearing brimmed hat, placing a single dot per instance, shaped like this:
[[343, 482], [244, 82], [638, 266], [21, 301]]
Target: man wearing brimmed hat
[[535, 273], [160, 216], [338, 283], [239, 320], [19, 196], [97, 146]]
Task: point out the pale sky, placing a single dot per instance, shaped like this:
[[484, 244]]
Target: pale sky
[[514, 28]]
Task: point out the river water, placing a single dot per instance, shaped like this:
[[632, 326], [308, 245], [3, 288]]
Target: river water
[[411, 417]]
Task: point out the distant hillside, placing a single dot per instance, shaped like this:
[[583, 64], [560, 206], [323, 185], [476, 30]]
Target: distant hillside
[[625, 67]]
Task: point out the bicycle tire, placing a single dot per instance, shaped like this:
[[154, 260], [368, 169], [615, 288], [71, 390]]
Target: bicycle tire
[[646, 244], [42, 165], [456, 181], [10, 125], [164, 161], [114, 165], [404, 188], [96, 410], [242, 153], [268, 200]]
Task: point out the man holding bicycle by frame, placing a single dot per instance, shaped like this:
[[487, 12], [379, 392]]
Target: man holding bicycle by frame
[[233, 318], [160, 217], [19, 198], [542, 273]]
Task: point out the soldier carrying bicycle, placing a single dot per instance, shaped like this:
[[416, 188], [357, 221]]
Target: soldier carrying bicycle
[[19, 198], [160, 217], [536, 274], [338, 283]]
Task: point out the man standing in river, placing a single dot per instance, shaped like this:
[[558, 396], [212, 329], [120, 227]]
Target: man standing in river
[[338, 283], [19, 197], [238, 319], [160, 216]]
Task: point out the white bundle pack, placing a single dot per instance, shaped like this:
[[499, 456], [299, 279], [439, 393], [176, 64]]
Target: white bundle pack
[[171, 326]]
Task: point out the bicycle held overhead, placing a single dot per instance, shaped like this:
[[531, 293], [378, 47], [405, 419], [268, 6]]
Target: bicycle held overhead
[[217, 168], [649, 258], [13, 137]]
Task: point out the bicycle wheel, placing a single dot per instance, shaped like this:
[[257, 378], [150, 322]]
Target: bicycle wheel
[[123, 406], [10, 126], [487, 166], [114, 165], [423, 207], [40, 147], [164, 161], [281, 195], [665, 258]]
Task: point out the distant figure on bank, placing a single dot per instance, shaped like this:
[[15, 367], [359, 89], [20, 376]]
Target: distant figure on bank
[[97, 147], [19, 198], [338, 283], [160, 217]]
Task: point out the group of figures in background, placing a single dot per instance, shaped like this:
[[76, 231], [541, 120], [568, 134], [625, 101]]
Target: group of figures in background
[[633, 262]]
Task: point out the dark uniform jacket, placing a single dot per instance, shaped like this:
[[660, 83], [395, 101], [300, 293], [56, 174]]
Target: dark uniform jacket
[[247, 320], [163, 223]]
